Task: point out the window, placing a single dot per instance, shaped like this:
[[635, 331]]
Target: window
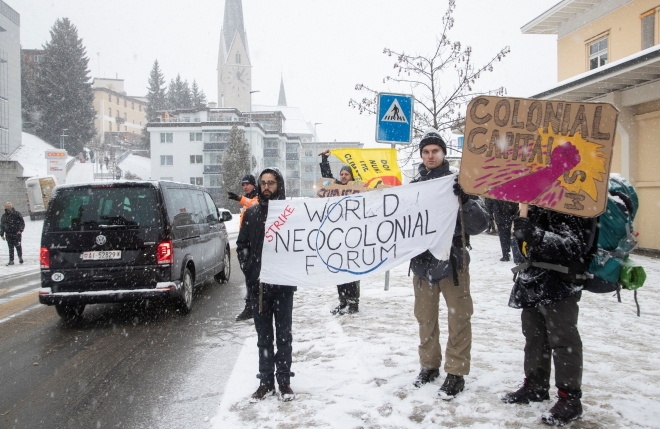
[[125, 128], [196, 159], [308, 153], [598, 53], [109, 126], [132, 105], [238, 58], [648, 29], [117, 100], [140, 107], [197, 181], [117, 113], [124, 102], [213, 180], [195, 137], [213, 158], [110, 98], [166, 137], [109, 111], [167, 160], [309, 168]]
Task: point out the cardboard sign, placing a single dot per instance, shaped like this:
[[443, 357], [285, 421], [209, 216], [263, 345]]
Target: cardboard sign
[[552, 154], [329, 188]]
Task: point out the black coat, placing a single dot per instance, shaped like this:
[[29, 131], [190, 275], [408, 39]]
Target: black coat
[[326, 171], [250, 240], [425, 264], [561, 239], [11, 223]]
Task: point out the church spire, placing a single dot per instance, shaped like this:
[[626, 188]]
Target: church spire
[[281, 101], [233, 22]]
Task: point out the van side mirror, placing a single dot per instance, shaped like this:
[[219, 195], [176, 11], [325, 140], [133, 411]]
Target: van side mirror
[[224, 215]]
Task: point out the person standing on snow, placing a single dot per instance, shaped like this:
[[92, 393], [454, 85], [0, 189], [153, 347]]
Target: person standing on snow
[[504, 212], [433, 277], [268, 301], [349, 293], [549, 301], [247, 200], [12, 226]]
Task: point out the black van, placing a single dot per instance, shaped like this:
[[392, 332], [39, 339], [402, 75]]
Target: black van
[[130, 240]]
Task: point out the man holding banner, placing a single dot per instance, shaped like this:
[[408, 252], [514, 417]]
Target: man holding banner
[[449, 277], [349, 293]]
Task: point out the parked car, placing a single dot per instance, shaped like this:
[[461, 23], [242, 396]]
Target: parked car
[[130, 240]]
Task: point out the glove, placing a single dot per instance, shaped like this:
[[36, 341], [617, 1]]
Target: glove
[[524, 230], [458, 191], [233, 196]]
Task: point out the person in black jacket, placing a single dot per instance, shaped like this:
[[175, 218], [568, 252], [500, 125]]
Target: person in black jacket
[[12, 226], [489, 206], [450, 278], [504, 212], [349, 293], [268, 301], [549, 302]]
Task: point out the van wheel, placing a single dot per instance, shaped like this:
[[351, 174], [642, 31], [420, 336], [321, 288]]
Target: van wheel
[[187, 293], [223, 276], [70, 312]]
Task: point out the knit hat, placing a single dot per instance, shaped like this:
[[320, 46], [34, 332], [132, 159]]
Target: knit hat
[[349, 169], [432, 137], [248, 178]]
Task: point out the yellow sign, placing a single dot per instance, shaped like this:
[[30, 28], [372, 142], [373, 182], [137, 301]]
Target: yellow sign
[[372, 166]]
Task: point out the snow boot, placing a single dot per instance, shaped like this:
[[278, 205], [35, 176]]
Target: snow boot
[[527, 393], [342, 305], [286, 393], [263, 391], [567, 409], [351, 308], [453, 385], [10, 263], [426, 376], [505, 258], [20, 260], [246, 314]]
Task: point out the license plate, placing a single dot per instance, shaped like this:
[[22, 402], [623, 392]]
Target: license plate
[[101, 255]]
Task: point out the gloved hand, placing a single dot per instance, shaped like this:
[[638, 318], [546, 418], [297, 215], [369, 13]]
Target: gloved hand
[[524, 230], [458, 191], [233, 196]]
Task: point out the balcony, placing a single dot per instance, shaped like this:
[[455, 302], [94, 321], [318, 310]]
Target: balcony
[[215, 146], [209, 169]]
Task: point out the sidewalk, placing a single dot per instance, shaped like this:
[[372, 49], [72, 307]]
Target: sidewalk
[[357, 371], [31, 244]]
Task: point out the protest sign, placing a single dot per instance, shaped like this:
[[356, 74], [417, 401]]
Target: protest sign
[[552, 154], [336, 240], [371, 166], [328, 187]]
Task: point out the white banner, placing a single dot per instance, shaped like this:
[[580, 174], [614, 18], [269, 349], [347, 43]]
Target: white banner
[[331, 241]]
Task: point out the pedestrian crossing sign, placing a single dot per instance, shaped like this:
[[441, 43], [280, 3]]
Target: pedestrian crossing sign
[[395, 117]]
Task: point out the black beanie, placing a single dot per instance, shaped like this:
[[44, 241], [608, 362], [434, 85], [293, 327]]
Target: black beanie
[[349, 169], [248, 178], [432, 137]]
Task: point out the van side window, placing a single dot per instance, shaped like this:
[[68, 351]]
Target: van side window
[[213, 210], [204, 210], [180, 208]]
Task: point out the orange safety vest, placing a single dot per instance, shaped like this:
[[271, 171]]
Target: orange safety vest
[[246, 203]]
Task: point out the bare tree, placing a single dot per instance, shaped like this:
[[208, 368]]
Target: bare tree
[[442, 82]]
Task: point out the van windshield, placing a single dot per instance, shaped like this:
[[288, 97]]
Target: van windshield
[[82, 209]]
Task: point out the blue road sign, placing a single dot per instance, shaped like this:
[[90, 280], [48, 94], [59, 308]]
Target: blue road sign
[[395, 117]]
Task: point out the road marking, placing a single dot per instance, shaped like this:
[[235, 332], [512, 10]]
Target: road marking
[[34, 307], [18, 306]]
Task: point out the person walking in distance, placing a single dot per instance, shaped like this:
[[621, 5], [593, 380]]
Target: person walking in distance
[[269, 302], [349, 293], [451, 278], [11, 229], [247, 200], [504, 212]]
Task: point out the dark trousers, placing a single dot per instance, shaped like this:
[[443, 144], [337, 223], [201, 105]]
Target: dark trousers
[[349, 292], [552, 331], [277, 304], [14, 241], [504, 231]]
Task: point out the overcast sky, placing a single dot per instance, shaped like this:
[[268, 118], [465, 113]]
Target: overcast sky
[[322, 48]]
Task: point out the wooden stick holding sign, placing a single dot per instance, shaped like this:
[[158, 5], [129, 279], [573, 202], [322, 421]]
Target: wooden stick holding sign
[[552, 154]]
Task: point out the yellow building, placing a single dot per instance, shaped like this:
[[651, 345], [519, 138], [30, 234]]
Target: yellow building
[[119, 117], [608, 51]]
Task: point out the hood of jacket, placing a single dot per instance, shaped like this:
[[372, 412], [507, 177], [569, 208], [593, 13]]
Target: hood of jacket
[[281, 192]]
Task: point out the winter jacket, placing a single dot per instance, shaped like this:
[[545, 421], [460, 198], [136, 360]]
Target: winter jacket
[[11, 223], [326, 172], [425, 265], [504, 209], [250, 240], [560, 239], [247, 201]]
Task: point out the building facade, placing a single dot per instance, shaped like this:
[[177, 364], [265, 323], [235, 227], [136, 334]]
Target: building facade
[[608, 51], [119, 117], [10, 79]]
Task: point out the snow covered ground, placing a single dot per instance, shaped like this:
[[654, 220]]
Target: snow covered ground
[[31, 243], [138, 165], [357, 371], [32, 155]]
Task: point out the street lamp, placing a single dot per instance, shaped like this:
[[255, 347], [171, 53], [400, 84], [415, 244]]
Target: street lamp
[[314, 154], [250, 125], [64, 130]]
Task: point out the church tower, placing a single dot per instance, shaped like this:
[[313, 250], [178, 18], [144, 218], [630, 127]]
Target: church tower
[[234, 68]]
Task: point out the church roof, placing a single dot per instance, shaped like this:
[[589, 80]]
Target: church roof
[[233, 22], [281, 101]]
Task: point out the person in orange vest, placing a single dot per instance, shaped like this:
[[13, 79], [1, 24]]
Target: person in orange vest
[[248, 199]]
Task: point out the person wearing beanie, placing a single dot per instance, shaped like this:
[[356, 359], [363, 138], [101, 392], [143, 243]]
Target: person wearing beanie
[[248, 199], [450, 278], [349, 293]]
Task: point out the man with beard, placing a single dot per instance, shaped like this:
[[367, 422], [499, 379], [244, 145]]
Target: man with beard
[[269, 302], [249, 199]]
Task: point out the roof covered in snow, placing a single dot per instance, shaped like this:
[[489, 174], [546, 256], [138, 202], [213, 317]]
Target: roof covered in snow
[[295, 122]]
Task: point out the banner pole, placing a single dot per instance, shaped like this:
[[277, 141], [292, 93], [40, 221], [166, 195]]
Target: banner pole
[[463, 240]]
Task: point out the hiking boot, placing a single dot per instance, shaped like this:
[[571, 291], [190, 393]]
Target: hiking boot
[[505, 258], [453, 385], [10, 263], [426, 376], [286, 393], [246, 314], [567, 409], [527, 393], [263, 391], [340, 308]]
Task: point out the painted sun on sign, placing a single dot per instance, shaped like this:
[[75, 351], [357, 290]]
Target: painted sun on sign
[[551, 154]]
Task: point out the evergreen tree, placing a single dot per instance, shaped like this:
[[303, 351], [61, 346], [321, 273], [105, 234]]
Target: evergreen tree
[[235, 164], [198, 96], [178, 94], [64, 90], [156, 100]]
